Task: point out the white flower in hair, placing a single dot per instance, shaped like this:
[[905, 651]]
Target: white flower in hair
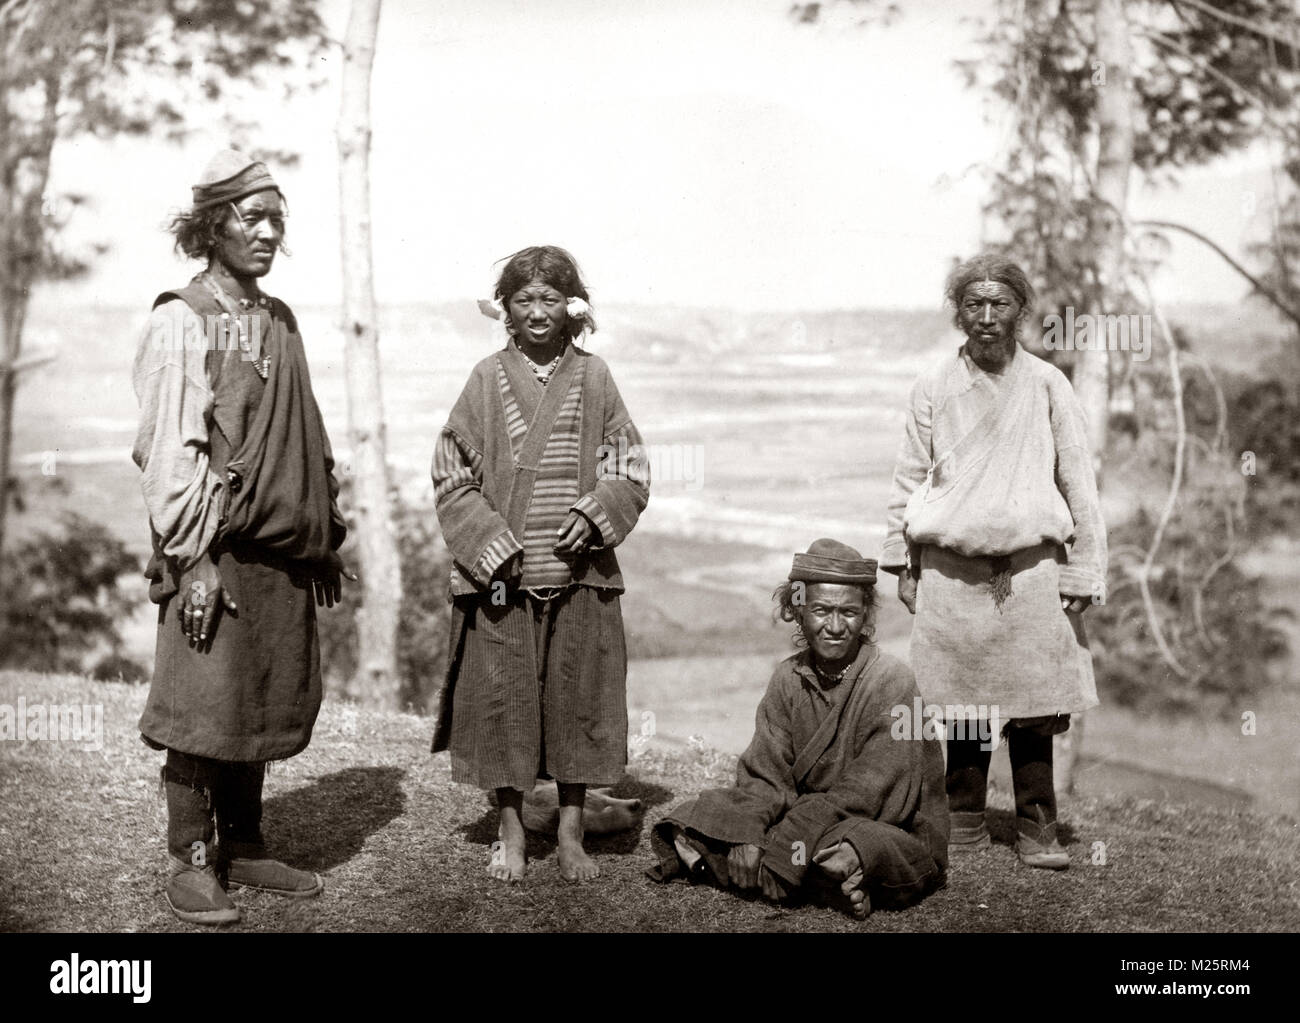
[[577, 308]]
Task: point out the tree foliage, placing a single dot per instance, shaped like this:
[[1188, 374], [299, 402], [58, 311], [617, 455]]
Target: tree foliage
[[64, 602], [1203, 86], [105, 68]]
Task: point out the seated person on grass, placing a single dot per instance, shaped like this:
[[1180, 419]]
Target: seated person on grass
[[827, 803]]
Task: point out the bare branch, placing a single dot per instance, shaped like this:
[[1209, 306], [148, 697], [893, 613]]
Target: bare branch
[[1180, 447], [1267, 31], [1258, 285]]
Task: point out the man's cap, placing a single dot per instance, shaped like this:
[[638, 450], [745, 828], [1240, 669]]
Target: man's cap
[[829, 561], [229, 177]]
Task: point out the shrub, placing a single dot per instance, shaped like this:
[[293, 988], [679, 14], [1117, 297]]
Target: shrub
[[62, 602], [1211, 614]]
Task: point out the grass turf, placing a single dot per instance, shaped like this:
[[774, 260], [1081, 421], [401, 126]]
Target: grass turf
[[404, 849]]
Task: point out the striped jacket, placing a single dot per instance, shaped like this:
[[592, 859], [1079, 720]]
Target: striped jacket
[[501, 461]]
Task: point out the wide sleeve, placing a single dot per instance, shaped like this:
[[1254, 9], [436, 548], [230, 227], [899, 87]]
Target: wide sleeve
[[1084, 573], [764, 785], [622, 475], [181, 493], [883, 782], [911, 466], [476, 533]]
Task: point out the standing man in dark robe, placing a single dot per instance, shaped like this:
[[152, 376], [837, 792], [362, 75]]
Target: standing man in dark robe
[[238, 482], [829, 800]]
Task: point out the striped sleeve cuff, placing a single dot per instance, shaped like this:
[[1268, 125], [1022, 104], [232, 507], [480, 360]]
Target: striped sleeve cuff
[[496, 554], [453, 467], [590, 509]]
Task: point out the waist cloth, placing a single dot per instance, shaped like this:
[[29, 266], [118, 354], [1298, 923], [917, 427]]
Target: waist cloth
[[991, 633]]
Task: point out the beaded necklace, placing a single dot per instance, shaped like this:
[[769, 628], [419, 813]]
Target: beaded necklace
[[543, 373], [230, 314]]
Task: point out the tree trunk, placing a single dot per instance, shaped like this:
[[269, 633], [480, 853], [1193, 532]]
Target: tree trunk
[[378, 682], [11, 333], [1114, 167], [24, 175]]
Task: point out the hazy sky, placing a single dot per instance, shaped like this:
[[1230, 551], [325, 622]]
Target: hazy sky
[[702, 152]]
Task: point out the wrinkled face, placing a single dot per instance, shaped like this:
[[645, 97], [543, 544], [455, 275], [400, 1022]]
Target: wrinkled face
[[538, 313], [832, 619], [988, 314], [253, 231]]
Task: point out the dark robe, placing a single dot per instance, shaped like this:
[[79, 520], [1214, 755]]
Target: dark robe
[[824, 767], [252, 692]]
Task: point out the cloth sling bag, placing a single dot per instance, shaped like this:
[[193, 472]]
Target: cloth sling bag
[[967, 469], [282, 460]]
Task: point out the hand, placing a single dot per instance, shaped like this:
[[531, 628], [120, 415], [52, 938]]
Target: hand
[[328, 579], [742, 865], [200, 598], [1075, 605], [511, 571], [574, 534], [907, 590]]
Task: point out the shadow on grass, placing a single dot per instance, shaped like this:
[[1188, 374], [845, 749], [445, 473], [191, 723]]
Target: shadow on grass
[[538, 846], [326, 823], [1002, 828]]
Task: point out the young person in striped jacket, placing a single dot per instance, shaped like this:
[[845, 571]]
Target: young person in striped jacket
[[539, 474]]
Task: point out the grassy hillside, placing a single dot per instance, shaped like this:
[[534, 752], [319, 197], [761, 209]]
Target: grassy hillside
[[401, 848]]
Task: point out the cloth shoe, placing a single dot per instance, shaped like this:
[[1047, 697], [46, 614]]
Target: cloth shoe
[[249, 866], [1036, 845], [195, 895], [968, 832]]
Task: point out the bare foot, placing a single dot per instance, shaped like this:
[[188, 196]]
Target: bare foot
[[859, 901], [841, 863], [575, 864], [508, 861]]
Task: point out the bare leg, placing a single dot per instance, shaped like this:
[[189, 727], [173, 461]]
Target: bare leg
[[575, 864], [508, 863]]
